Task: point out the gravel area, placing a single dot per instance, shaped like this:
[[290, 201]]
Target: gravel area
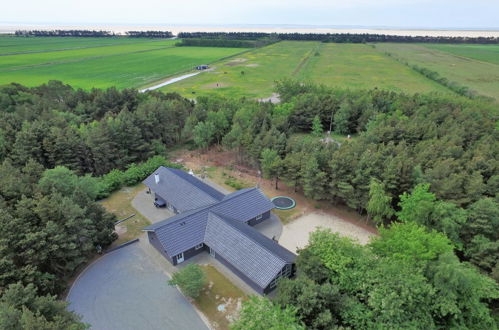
[[272, 227], [127, 289], [295, 234]]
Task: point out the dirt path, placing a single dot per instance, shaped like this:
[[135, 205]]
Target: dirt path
[[169, 82]]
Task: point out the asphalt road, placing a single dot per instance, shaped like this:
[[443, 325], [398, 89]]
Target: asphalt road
[[125, 289]]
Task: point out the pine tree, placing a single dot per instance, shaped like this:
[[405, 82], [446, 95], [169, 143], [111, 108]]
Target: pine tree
[[317, 129]]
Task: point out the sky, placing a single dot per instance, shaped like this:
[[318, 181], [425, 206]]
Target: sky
[[459, 14]]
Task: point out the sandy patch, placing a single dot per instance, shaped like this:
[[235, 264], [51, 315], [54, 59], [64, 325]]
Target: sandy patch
[[295, 234], [273, 99], [120, 229], [252, 65], [236, 61]]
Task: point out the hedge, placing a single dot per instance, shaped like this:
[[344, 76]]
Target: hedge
[[135, 173]]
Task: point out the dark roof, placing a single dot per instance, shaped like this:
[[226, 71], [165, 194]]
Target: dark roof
[[253, 254], [183, 190], [265, 242], [221, 224], [186, 230], [243, 205]]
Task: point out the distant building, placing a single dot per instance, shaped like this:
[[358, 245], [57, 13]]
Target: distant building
[[208, 220], [202, 67]]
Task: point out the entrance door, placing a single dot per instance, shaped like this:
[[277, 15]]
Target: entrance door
[[180, 258], [212, 253]]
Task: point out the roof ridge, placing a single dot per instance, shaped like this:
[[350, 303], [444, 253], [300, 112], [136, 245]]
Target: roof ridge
[[242, 193], [196, 211], [183, 215], [171, 170], [225, 218]]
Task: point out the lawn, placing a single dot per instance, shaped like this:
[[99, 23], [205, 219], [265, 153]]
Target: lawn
[[343, 65], [220, 300], [486, 53], [483, 77], [132, 64], [119, 203]]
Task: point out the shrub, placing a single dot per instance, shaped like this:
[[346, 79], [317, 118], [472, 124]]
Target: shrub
[[135, 173], [191, 279], [234, 183]]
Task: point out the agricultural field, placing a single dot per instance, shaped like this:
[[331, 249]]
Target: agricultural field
[[477, 70], [17, 45], [135, 62], [359, 66], [485, 53], [124, 63], [344, 65]]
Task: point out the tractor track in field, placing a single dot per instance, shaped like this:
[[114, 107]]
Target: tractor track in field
[[305, 60]]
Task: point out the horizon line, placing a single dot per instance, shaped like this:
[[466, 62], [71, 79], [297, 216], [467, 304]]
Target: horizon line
[[257, 25]]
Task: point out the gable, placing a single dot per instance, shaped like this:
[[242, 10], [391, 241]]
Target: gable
[[246, 255]]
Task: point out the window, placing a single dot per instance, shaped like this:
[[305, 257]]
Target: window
[[258, 217], [197, 247]]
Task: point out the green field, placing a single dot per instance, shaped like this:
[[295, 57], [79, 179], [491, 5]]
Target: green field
[[486, 53], [21, 61], [17, 45], [131, 62], [361, 66], [124, 63], [479, 75], [342, 65], [261, 68]]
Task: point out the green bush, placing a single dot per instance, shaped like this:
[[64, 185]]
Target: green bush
[[191, 279], [234, 183], [135, 173]]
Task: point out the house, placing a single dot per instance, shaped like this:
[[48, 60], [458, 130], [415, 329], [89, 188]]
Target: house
[[209, 221], [202, 67]]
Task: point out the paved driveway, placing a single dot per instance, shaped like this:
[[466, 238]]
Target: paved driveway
[[144, 203], [127, 289]]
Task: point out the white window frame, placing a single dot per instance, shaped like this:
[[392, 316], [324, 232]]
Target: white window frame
[[180, 258], [199, 246], [258, 217]]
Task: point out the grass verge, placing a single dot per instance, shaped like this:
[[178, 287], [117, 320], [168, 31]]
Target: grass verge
[[120, 203], [220, 300]]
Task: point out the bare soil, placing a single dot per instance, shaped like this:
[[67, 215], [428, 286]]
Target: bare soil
[[236, 61], [273, 99], [226, 164], [295, 234]]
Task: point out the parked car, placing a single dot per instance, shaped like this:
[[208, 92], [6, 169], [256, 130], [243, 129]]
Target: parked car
[[159, 202]]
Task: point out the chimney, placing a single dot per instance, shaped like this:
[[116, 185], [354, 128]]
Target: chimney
[[156, 178]]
